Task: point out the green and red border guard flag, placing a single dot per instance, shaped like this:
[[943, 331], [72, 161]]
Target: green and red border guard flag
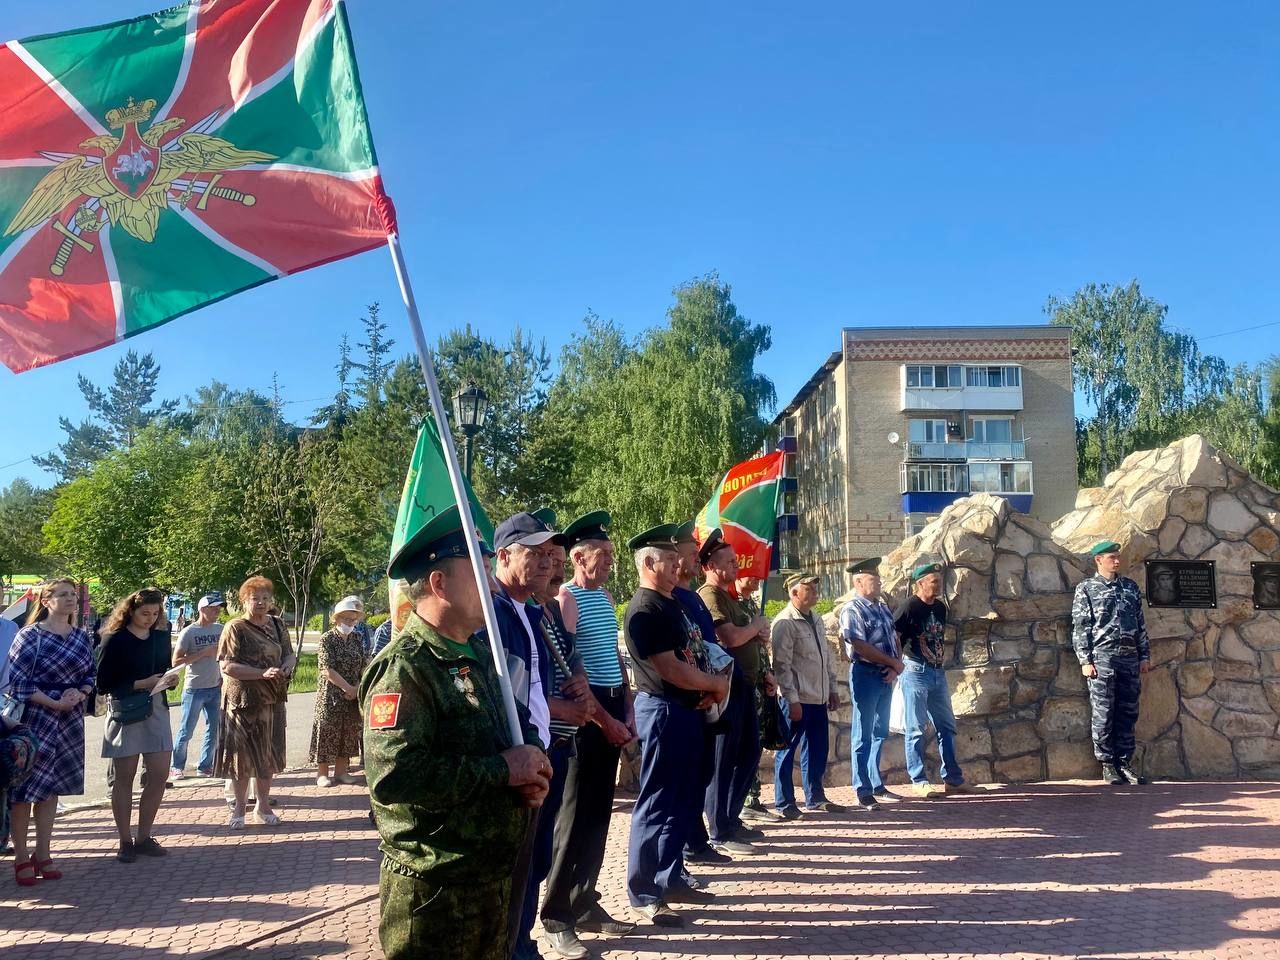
[[156, 165], [745, 507]]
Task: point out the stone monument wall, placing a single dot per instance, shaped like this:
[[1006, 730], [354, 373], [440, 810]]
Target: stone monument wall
[[1210, 705]]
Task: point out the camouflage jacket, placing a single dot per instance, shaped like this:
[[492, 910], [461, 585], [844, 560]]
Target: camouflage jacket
[[1107, 620], [434, 729]]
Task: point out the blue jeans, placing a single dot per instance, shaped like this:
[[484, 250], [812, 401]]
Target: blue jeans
[[808, 737], [926, 697], [871, 697], [195, 702]]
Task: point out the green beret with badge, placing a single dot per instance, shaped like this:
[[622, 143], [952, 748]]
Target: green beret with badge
[[922, 571], [590, 526], [546, 515], [663, 536], [1105, 546]]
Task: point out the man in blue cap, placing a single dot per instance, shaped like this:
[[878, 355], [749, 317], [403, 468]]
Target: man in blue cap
[[453, 798], [921, 622], [675, 686], [1109, 633]]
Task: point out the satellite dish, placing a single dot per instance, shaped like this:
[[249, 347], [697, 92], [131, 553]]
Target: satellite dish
[[893, 437]]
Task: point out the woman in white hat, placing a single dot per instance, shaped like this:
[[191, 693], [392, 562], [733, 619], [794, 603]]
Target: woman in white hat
[[335, 732]]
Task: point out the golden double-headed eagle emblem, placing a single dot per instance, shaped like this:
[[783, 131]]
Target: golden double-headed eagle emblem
[[135, 176]]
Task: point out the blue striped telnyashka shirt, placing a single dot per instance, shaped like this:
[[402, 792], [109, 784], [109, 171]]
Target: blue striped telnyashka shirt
[[597, 636]]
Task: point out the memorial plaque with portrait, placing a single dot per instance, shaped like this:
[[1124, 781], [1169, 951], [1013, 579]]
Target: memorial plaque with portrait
[[1181, 583], [1266, 585]]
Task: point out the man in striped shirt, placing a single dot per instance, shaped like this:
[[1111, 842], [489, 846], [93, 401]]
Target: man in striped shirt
[[571, 904]]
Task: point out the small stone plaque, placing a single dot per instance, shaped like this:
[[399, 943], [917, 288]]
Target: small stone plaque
[[1181, 583], [1266, 585]]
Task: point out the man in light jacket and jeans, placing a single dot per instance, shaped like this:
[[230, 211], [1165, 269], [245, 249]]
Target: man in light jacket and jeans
[[804, 669]]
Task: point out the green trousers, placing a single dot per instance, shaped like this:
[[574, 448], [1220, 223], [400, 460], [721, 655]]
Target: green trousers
[[422, 919]]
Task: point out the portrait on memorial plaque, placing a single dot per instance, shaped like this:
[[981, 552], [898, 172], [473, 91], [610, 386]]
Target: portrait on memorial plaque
[[1181, 583], [1266, 586], [1162, 585]]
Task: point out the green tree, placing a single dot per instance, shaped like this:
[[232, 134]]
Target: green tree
[[102, 522], [225, 417], [24, 509], [1269, 428], [378, 360], [1147, 386], [652, 427], [118, 415]]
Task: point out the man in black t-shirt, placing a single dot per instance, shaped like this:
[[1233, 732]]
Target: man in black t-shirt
[[669, 663], [921, 623]]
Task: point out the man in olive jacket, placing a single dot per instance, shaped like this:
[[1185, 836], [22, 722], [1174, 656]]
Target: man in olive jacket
[[452, 797]]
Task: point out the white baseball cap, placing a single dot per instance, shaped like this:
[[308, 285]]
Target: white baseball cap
[[349, 603]]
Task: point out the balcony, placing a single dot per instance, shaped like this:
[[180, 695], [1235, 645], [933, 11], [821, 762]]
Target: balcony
[[932, 486], [965, 450], [944, 387]]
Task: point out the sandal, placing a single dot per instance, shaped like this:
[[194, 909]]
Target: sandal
[[267, 819], [24, 873], [46, 869], [236, 821]]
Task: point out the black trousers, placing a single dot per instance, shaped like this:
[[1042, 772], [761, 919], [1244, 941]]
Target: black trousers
[[582, 824]]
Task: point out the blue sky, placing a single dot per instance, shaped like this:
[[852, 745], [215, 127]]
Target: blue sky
[[839, 164]]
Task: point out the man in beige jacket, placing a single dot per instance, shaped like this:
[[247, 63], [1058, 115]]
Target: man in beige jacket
[[804, 669]]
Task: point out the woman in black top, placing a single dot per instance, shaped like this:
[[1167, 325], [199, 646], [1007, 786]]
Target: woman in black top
[[134, 656]]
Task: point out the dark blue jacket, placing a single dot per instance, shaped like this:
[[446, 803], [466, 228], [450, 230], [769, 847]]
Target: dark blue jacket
[[515, 640]]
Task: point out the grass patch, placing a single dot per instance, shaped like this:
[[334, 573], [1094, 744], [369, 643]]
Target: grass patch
[[303, 681]]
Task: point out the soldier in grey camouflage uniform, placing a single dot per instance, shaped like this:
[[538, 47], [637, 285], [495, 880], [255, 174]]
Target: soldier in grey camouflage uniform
[[1110, 639], [452, 797]]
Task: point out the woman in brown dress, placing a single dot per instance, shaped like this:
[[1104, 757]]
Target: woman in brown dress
[[335, 732], [257, 661]]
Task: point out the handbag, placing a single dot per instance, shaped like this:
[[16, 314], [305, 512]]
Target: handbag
[[771, 735], [11, 708], [133, 707]]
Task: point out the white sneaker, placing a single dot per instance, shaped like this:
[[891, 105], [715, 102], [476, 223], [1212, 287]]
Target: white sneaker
[[325, 781], [176, 774]]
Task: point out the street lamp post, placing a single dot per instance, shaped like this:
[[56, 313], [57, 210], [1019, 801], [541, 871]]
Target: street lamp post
[[470, 408]]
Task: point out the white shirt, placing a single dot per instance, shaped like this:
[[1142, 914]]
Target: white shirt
[[539, 711]]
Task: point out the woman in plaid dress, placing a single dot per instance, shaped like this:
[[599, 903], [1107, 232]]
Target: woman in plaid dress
[[51, 668]]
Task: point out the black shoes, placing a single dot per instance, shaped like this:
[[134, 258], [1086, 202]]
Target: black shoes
[[1129, 775], [126, 853], [149, 848], [1112, 776], [706, 855], [597, 920]]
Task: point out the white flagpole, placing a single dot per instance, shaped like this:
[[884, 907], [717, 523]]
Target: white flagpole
[[459, 489]]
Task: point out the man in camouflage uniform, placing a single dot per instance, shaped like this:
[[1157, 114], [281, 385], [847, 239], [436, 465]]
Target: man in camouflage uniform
[[1110, 638], [452, 797]]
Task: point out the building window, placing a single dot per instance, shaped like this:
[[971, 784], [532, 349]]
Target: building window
[[993, 376], [913, 523], [935, 477], [927, 431], [938, 377], [1000, 477], [991, 429]]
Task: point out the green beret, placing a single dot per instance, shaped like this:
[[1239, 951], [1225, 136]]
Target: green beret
[[796, 579], [869, 565], [684, 533], [546, 515], [589, 526], [1106, 546], [715, 541], [663, 536], [924, 570], [413, 566]]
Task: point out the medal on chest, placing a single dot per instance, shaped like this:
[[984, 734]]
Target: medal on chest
[[463, 683]]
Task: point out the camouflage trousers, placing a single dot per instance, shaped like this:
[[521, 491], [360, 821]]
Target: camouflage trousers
[[423, 919], [1113, 706]]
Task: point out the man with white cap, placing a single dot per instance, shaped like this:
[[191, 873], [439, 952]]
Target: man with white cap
[[197, 648]]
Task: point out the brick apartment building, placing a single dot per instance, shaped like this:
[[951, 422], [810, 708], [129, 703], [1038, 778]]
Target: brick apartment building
[[900, 422]]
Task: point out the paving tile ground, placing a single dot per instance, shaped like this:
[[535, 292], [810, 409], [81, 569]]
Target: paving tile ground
[[1056, 870]]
